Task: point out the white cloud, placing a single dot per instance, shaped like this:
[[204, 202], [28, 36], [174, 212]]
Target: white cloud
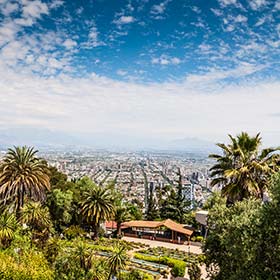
[[34, 9], [256, 4], [160, 8], [227, 2], [277, 5], [9, 8], [56, 4], [93, 38], [69, 43], [121, 72], [101, 105], [165, 60], [125, 20], [240, 18]]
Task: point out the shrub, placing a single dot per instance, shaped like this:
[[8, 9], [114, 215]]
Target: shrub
[[27, 266], [178, 266], [74, 232], [199, 238]]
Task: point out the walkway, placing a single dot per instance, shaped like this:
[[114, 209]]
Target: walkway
[[155, 243]]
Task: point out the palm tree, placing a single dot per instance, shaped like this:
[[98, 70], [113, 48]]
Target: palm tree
[[97, 207], [121, 215], [23, 175], [8, 226], [243, 170], [117, 261]]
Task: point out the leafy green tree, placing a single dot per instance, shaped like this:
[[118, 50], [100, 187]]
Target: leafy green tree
[[135, 211], [60, 206], [8, 226], [175, 206], [23, 175], [214, 199], [243, 170], [97, 207], [117, 261], [231, 243]]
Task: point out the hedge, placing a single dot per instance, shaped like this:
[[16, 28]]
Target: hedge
[[178, 266]]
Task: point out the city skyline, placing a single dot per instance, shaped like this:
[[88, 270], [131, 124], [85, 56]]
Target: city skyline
[[138, 73]]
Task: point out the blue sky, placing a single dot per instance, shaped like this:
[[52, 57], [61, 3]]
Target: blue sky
[[141, 70]]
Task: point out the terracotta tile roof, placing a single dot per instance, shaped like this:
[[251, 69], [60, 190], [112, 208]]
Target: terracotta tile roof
[[111, 224], [155, 224]]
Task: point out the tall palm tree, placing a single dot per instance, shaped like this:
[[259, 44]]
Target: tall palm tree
[[8, 226], [117, 261], [97, 207], [244, 170], [121, 215], [23, 175]]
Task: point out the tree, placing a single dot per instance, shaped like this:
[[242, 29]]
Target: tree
[[121, 215], [243, 170], [8, 226], [117, 260], [60, 206], [175, 206], [23, 175], [231, 245], [97, 207]]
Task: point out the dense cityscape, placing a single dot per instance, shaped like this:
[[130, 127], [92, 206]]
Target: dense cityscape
[[136, 174]]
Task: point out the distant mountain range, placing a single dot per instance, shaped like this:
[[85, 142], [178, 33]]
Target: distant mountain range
[[47, 139]]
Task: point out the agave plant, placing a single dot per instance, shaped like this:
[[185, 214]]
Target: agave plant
[[117, 261], [8, 226]]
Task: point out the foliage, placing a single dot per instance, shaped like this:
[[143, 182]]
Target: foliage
[[244, 239], [8, 226], [175, 206], [74, 232], [60, 205], [178, 266], [23, 174], [97, 207], [117, 261], [243, 170], [121, 215], [137, 275], [26, 266], [194, 271]]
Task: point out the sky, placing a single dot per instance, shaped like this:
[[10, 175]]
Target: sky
[[139, 73]]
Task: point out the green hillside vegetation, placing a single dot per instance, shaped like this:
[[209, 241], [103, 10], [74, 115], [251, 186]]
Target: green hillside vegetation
[[51, 227]]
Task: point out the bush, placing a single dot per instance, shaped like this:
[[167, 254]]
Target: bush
[[199, 238], [136, 274], [74, 232], [26, 266], [178, 266]]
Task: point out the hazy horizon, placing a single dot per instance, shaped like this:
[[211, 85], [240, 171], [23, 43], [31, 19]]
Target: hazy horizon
[[139, 73]]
